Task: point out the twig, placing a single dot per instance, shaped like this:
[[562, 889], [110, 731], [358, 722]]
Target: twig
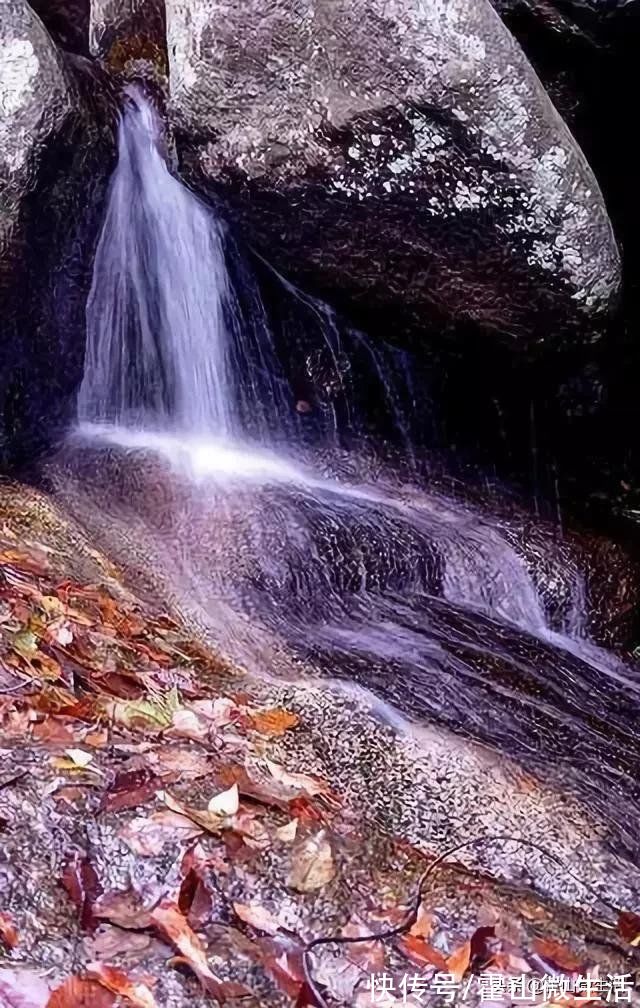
[[412, 914]]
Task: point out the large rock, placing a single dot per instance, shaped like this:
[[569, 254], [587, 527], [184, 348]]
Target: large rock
[[53, 159], [402, 155], [130, 36]]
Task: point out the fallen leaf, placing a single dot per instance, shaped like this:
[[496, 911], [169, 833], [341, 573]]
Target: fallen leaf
[[629, 927], [80, 992], [8, 932], [21, 988], [119, 983], [110, 941], [128, 789], [288, 833], [458, 961], [369, 955], [150, 835], [178, 761], [258, 917], [298, 781], [421, 953], [312, 865], [82, 885], [186, 723], [226, 803], [154, 712], [274, 722], [557, 954], [123, 908], [75, 760], [173, 926]]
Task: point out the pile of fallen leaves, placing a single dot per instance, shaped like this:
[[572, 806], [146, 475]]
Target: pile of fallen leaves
[[138, 726]]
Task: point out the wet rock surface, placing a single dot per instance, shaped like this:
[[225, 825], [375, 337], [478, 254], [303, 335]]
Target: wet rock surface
[[95, 852]]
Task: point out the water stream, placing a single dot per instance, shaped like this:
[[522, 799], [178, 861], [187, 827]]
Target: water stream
[[189, 438]]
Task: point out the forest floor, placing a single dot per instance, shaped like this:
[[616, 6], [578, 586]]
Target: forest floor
[[173, 832]]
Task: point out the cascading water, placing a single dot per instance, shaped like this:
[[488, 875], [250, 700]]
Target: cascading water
[[337, 562]]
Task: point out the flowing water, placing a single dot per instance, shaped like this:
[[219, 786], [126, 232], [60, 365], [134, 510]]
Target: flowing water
[[191, 442]]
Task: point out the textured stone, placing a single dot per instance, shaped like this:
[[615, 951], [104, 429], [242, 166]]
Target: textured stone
[[400, 154], [53, 161]]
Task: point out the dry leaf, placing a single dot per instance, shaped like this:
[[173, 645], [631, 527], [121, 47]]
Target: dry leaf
[[312, 865], [458, 961], [119, 983], [122, 908], [173, 926], [83, 888], [150, 835], [421, 953], [274, 722], [288, 833], [258, 917], [557, 954], [629, 927], [226, 803], [80, 992], [9, 936]]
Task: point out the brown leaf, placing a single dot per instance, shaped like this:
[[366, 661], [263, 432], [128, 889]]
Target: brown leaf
[[83, 887], [458, 961], [312, 865], [274, 722], [129, 789], [629, 927], [122, 908], [8, 932], [119, 983], [150, 835], [109, 941], [557, 954], [421, 953], [80, 992]]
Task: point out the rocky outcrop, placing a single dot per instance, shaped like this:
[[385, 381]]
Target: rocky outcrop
[[401, 155], [130, 36], [53, 161]]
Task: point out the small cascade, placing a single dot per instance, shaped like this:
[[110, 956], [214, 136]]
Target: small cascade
[[355, 568]]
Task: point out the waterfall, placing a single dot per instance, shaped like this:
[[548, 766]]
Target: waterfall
[[280, 546], [157, 356]]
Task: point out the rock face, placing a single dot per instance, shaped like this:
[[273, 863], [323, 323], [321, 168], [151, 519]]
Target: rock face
[[130, 36], [52, 164], [401, 154]]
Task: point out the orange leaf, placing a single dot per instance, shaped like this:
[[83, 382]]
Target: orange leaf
[[421, 953], [119, 983], [274, 722], [558, 954], [174, 927], [458, 961], [78, 992], [8, 932]]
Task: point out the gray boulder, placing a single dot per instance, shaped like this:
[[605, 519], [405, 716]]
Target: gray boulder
[[401, 154], [53, 162]]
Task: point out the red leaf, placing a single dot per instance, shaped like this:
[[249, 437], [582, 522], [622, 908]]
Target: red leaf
[[83, 888], [629, 927]]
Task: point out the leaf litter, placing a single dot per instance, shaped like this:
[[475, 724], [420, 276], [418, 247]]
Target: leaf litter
[[246, 841]]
